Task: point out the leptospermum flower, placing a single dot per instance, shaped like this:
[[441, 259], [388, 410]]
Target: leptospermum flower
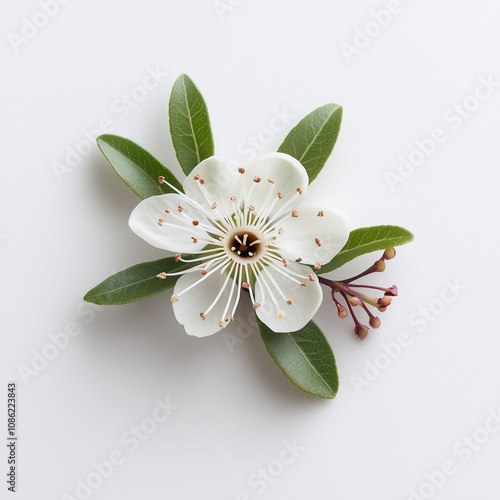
[[246, 231]]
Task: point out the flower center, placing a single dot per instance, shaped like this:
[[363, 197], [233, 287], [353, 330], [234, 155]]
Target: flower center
[[244, 244]]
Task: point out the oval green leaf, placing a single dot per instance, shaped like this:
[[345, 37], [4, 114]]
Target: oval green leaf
[[136, 167], [136, 283], [366, 240], [305, 357], [312, 140], [189, 124]]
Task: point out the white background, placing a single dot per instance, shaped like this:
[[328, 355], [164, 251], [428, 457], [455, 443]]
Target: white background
[[60, 236]]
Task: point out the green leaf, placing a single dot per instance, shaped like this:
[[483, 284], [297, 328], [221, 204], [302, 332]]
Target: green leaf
[[366, 240], [305, 357], [312, 140], [136, 283], [136, 167], [189, 124]]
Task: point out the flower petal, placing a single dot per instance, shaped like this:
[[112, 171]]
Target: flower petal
[[214, 181], [190, 306], [166, 222], [282, 178], [314, 236], [296, 309]]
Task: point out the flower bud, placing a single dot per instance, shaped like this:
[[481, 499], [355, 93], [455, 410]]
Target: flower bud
[[361, 331], [389, 253], [374, 322]]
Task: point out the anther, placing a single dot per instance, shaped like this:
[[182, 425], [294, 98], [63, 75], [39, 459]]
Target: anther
[[317, 241], [272, 181], [241, 170], [161, 179], [298, 260], [202, 316], [214, 206], [312, 277], [233, 249], [280, 196], [196, 222], [281, 314], [196, 177], [285, 262], [222, 324], [174, 298], [289, 302], [299, 190], [162, 276], [203, 272], [180, 208], [245, 285], [317, 265], [202, 181], [233, 198], [281, 231], [251, 208], [321, 213], [256, 305], [160, 222], [303, 284], [195, 240], [178, 257], [295, 213], [257, 179], [231, 318], [250, 254], [168, 210]]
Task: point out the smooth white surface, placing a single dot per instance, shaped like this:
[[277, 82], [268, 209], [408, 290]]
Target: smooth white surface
[[236, 409]]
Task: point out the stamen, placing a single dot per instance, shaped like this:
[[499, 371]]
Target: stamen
[[162, 276], [281, 314], [221, 291], [321, 213], [289, 302], [317, 241], [257, 179], [202, 316], [161, 222], [295, 213], [241, 170], [168, 210], [195, 240], [272, 181], [312, 277], [196, 222], [180, 208], [161, 179], [178, 257], [174, 298], [298, 260], [299, 190]]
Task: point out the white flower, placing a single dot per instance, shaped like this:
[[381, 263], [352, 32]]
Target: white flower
[[246, 232]]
